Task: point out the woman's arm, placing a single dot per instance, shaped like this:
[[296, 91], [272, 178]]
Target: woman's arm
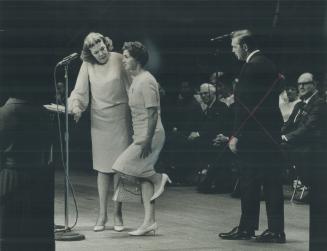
[[79, 97], [152, 123]]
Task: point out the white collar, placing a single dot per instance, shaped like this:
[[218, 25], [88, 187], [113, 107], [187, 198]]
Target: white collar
[[251, 54], [213, 101], [210, 105], [308, 99]]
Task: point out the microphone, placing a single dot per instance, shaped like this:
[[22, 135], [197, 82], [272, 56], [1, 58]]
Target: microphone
[[68, 59], [222, 37]]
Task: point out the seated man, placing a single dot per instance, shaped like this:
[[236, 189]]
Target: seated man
[[224, 94], [303, 136], [177, 152], [208, 123], [26, 179]]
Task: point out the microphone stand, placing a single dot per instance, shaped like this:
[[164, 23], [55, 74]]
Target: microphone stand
[[65, 233]]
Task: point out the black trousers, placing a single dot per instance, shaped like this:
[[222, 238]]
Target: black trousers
[[310, 162], [261, 169], [317, 181], [27, 210], [318, 208]]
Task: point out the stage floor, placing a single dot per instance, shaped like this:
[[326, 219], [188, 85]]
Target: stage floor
[[187, 220]]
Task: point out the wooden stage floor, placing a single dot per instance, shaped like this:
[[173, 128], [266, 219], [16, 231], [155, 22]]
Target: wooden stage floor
[[187, 220]]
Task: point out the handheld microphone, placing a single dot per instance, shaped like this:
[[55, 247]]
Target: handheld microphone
[[232, 34], [219, 38], [68, 59]]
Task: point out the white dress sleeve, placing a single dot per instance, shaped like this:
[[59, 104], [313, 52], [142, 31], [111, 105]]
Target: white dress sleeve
[[150, 94], [79, 97]]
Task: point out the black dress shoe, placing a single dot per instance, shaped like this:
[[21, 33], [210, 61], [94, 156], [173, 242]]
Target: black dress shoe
[[233, 231], [271, 237], [237, 234]]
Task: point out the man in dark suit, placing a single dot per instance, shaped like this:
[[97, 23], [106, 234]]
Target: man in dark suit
[[26, 179], [256, 140], [303, 136], [214, 119]]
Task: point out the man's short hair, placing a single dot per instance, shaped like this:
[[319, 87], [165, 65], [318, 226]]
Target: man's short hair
[[306, 77], [210, 87], [245, 37]]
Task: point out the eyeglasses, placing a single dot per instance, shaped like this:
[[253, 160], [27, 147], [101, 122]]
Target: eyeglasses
[[306, 83]]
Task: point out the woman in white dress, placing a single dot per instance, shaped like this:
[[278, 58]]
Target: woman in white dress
[[139, 158], [103, 78]]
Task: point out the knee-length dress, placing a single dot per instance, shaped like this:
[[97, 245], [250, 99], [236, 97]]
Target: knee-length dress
[[143, 93], [106, 84]]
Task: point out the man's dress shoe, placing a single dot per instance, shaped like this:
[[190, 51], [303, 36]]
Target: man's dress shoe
[[237, 234], [271, 237]]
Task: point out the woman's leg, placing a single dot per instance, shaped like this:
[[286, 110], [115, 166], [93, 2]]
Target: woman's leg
[[159, 181], [149, 210], [118, 217], [103, 190]]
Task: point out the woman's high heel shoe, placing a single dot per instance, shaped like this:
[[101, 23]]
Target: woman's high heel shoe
[[118, 224], [161, 188], [99, 228], [145, 230], [119, 228]]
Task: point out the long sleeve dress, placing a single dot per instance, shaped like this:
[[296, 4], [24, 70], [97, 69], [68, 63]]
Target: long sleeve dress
[[110, 115], [143, 94]]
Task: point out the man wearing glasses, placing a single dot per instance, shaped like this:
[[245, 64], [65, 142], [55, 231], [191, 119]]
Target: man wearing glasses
[[304, 136]]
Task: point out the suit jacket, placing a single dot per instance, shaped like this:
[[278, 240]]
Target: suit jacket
[[24, 135], [307, 130], [256, 78], [214, 120]]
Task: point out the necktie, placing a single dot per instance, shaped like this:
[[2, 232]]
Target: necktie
[[300, 111]]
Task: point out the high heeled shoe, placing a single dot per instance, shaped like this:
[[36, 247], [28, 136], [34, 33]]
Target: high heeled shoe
[[145, 230], [99, 228], [165, 178], [119, 228]]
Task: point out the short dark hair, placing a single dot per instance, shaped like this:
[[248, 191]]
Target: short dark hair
[[138, 51]]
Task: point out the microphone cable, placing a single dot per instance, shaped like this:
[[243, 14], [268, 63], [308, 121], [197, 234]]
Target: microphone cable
[[71, 188]]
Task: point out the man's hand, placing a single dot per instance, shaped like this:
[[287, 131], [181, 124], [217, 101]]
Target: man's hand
[[220, 139], [284, 138], [77, 112], [233, 144], [145, 148], [193, 136]]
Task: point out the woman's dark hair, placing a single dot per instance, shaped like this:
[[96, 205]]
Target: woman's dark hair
[[90, 40], [138, 51]]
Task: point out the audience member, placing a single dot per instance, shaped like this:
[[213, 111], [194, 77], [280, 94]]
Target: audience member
[[222, 91], [206, 125], [177, 151], [287, 100], [26, 178], [303, 136]]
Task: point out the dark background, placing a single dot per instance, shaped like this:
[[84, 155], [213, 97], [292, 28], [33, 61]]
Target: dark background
[[37, 34]]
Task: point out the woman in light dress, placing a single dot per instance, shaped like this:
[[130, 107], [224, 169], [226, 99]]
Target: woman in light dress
[[102, 78], [148, 134]]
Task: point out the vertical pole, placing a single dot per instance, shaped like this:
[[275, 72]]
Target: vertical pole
[[67, 150]]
